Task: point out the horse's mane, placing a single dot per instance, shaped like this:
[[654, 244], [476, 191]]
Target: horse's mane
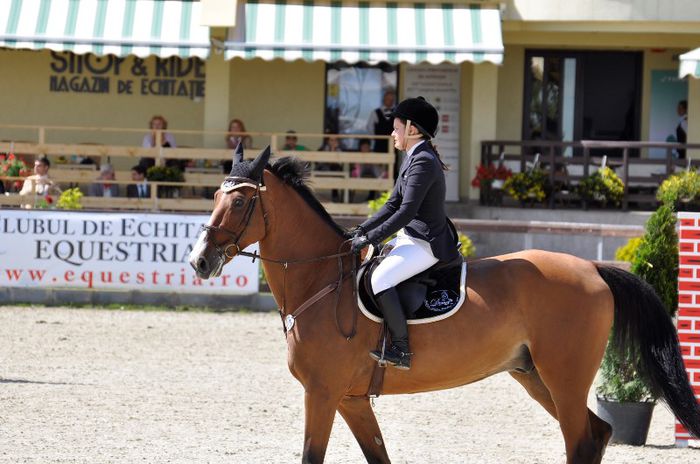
[[294, 172]]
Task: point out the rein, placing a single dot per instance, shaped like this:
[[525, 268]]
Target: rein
[[288, 320]]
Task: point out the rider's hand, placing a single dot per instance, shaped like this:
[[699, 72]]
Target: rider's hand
[[358, 243], [357, 231]]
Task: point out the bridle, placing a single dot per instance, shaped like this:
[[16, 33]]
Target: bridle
[[288, 320], [230, 184]]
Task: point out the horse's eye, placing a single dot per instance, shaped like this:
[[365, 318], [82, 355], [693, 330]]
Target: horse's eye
[[238, 202]]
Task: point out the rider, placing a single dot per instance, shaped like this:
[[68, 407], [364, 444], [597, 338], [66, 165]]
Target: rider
[[416, 210]]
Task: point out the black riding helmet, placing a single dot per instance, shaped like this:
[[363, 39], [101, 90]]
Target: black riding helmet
[[422, 115]]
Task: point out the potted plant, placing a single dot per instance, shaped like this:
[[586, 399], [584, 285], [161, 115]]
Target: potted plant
[[624, 400], [530, 185], [680, 190], [13, 166], [70, 199], [165, 174], [603, 186], [490, 180]]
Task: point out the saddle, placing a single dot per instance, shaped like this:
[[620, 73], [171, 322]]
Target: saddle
[[430, 295]]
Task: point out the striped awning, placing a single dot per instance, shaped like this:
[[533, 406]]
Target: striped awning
[[119, 27], [690, 64], [368, 32]]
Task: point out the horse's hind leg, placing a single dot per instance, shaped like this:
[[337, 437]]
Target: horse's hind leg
[[359, 416], [600, 430], [536, 389]]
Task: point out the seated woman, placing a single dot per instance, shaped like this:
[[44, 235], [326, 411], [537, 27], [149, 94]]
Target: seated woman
[[236, 135], [157, 123]]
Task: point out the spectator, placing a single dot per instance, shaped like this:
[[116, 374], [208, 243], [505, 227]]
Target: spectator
[[372, 171], [682, 127], [330, 143], [157, 123], [103, 187], [140, 187], [381, 122], [290, 142], [236, 135], [39, 185]]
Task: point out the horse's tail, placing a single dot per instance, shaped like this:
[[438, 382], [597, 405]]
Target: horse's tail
[[643, 328]]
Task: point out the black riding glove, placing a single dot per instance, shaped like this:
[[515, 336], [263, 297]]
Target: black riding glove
[[357, 231], [358, 243]]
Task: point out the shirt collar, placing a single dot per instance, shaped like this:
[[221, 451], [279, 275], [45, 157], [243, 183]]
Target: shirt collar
[[414, 147]]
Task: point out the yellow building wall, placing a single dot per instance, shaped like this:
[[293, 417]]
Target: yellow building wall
[[510, 94], [602, 10], [276, 96], [25, 98]]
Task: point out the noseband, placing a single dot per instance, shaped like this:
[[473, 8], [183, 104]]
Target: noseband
[[230, 184]]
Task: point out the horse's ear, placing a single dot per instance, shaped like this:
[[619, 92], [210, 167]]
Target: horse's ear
[[259, 164], [238, 153]]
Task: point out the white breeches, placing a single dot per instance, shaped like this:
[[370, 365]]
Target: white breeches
[[408, 257]]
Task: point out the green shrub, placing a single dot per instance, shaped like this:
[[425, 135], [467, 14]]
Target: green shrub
[[376, 204], [684, 186], [467, 248], [70, 199], [628, 251], [657, 258], [604, 185], [529, 185], [620, 381]]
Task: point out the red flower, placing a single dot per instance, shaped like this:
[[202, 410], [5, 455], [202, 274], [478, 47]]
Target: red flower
[[49, 200], [11, 157], [488, 174]]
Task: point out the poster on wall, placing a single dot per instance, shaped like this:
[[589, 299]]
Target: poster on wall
[[439, 84], [666, 91], [111, 251]]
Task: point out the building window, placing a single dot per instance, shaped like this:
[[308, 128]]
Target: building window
[[353, 92]]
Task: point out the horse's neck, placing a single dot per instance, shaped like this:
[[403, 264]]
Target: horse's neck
[[296, 232]]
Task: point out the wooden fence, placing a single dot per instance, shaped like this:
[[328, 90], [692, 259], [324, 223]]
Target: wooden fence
[[194, 194], [566, 163]]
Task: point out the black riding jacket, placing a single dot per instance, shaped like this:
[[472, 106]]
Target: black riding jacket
[[417, 204]]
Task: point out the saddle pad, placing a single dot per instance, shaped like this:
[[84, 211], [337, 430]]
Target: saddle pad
[[442, 299]]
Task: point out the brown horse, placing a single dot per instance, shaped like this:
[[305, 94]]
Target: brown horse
[[542, 317]]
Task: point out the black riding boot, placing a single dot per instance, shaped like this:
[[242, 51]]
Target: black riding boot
[[398, 354]]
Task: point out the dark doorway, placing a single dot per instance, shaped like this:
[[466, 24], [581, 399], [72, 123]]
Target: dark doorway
[[573, 96]]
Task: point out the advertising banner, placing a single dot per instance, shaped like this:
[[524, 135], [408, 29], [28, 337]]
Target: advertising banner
[[439, 84], [115, 251]]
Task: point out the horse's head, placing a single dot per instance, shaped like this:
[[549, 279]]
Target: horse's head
[[237, 220]]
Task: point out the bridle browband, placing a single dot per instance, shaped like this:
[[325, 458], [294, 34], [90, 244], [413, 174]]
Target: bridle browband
[[232, 183], [229, 185]]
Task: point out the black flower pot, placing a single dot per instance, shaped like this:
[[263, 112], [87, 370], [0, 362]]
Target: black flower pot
[[630, 421]]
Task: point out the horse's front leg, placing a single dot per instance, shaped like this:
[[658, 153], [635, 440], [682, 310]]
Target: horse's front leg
[[359, 416], [320, 411]]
